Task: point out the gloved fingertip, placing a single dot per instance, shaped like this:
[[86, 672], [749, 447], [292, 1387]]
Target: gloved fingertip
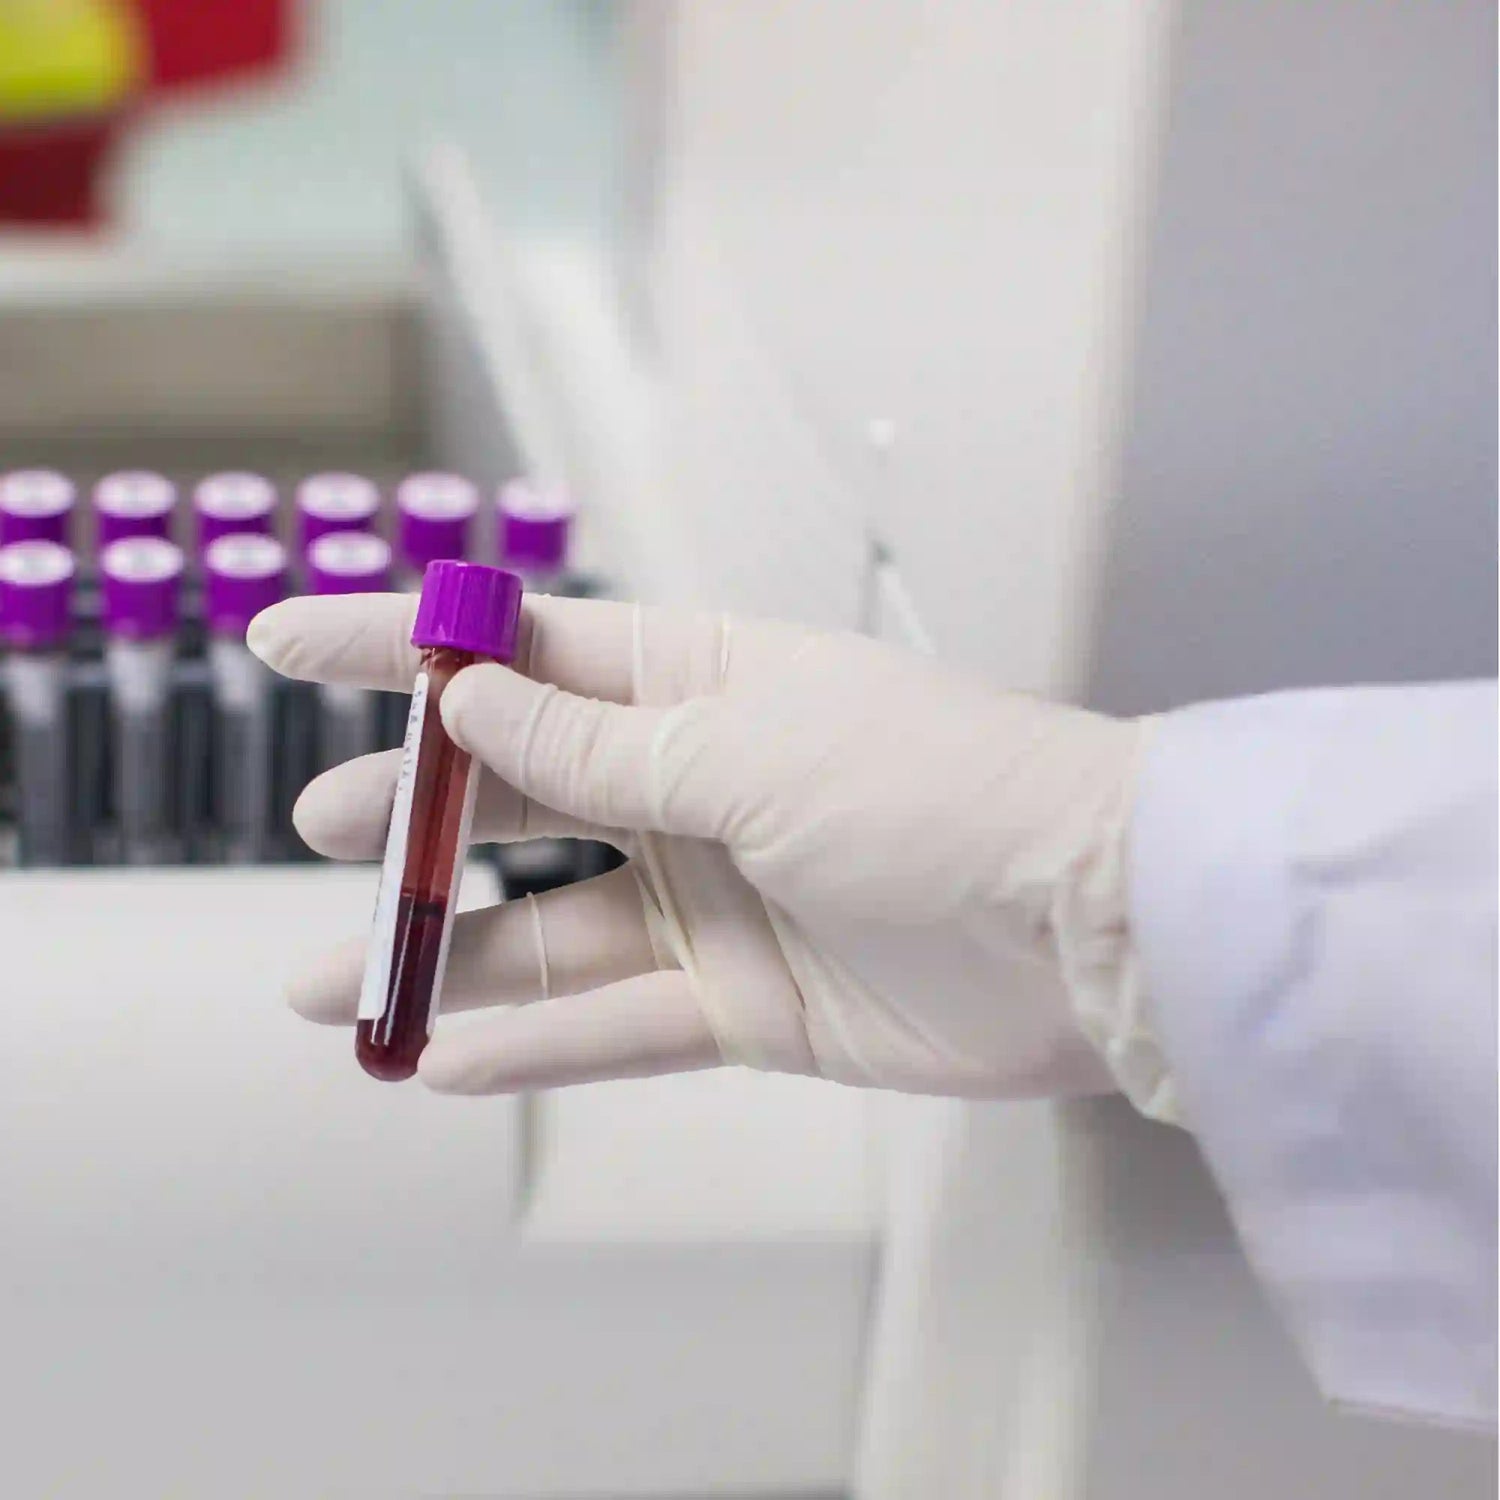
[[333, 830], [463, 702], [346, 812], [263, 638], [307, 814], [447, 1068], [328, 992], [320, 1007]]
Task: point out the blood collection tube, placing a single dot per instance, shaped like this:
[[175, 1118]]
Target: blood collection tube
[[142, 578], [346, 562], [535, 522], [534, 526], [34, 506], [433, 513], [228, 503], [36, 584], [133, 503], [466, 613], [243, 574], [335, 502]]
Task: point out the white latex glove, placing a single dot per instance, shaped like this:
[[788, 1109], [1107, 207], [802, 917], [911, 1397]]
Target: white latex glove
[[845, 859]]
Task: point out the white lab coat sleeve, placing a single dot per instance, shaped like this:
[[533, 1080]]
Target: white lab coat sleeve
[[1312, 896]]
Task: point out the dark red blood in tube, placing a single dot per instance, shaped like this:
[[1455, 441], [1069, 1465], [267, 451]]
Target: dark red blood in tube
[[389, 1045], [466, 614]]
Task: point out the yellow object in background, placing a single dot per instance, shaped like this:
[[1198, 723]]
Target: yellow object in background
[[61, 59]]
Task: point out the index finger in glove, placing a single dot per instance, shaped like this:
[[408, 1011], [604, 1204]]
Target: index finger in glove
[[586, 646], [662, 770], [346, 812]]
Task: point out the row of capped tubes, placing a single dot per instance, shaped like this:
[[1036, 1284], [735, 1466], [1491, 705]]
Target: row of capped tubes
[[434, 513], [163, 633]]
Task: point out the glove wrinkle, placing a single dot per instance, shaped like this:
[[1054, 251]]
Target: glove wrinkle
[[539, 933], [1090, 918]]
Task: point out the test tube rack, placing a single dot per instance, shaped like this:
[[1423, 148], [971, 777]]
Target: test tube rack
[[196, 835]]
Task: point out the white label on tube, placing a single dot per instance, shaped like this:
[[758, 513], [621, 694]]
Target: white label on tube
[[377, 982]]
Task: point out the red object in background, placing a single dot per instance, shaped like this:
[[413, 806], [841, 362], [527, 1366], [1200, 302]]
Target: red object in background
[[53, 173], [50, 174], [201, 41]]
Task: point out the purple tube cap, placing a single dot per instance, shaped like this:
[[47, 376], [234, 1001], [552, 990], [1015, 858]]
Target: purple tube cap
[[135, 503], [34, 506], [348, 562], [469, 607], [335, 502], [534, 525], [141, 578], [36, 591], [227, 503], [243, 574], [433, 512]]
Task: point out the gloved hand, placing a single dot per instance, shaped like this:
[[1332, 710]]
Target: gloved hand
[[845, 859]]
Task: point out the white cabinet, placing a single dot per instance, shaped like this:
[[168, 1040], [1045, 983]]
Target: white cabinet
[[233, 1265], [766, 517], [924, 214]]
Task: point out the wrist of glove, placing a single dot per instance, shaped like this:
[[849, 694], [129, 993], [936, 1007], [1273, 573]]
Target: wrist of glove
[[844, 859]]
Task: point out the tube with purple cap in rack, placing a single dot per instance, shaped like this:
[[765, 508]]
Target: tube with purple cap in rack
[[466, 613], [535, 523], [535, 526], [141, 579], [134, 502], [36, 595], [433, 516], [346, 562], [35, 506], [243, 574], [225, 504], [335, 502]]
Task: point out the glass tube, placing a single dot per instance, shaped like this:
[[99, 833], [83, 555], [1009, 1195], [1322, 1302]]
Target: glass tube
[[37, 687], [467, 613], [346, 562], [36, 593], [142, 745], [242, 750], [244, 573], [141, 576], [434, 798]]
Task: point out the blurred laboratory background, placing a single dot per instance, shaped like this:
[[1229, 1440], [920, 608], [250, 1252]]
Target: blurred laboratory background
[[1131, 354]]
